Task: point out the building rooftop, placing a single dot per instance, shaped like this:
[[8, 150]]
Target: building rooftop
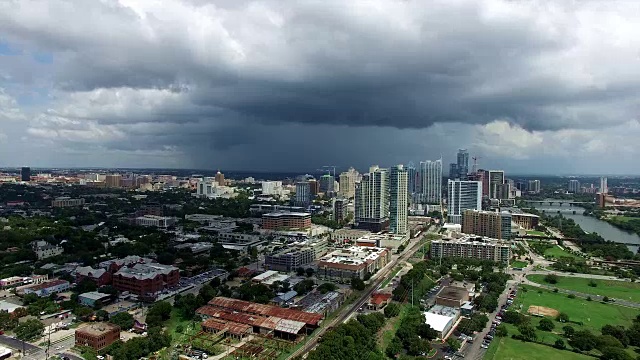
[[98, 329], [145, 271], [453, 292], [265, 275], [47, 285], [353, 255], [94, 295], [89, 271], [285, 213], [267, 310], [8, 307], [436, 321]]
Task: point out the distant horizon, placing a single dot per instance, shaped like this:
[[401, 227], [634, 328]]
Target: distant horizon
[[298, 172]]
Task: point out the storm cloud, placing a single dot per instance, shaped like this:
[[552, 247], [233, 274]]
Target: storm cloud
[[249, 84]]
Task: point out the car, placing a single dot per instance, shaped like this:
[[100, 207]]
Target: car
[[100, 357], [484, 346], [58, 347], [447, 357], [489, 337]]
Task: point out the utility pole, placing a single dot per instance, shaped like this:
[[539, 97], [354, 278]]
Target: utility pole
[[412, 293]]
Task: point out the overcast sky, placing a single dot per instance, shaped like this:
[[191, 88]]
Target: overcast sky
[[531, 86]]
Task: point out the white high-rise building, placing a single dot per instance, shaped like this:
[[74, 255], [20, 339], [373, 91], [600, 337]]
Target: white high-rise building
[[348, 179], [398, 200], [431, 181], [463, 195], [603, 185], [271, 187], [303, 194], [574, 186], [372, 200]]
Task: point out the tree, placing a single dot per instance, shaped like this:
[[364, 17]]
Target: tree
[[7, 321], [326, 287], [300, 271], [617, 332], [605, 299], [394, 348], [527, 332], [501, 331], [563, 317], [392, 310], [569, 331], [207, 292], [453, 343], [608, 341], [551, 279], [546, 324], [593, 283], [615, 353], [357, 283], [559, 344], [584, 340], [309, 272], [123, 319], [29, 330], [418, 346]]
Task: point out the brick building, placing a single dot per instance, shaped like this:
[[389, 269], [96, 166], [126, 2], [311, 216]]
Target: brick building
[[98, 335], [286, 220], [146, 279]]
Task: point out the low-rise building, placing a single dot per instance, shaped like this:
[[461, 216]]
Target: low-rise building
[[378, 300], [47, 288], [97, 335], [286, 220], [476, 247], [355, 261], [45, 250], [525, 220], [196, 248], [100, 276], [146, 279], [12, 282], [452, 296], [93, 298], [9, 307], [441, 319], [347, 236], [66, 201], [269, 277], [386, 240], [155, 221], [296, 254]]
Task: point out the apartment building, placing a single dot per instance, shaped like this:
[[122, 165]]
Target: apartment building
[[470, 246]]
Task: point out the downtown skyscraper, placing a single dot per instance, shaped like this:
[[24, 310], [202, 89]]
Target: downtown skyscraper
[[347, 183], [372, 200], [398, 200], [463, 195], [463, 164], [431, 182]]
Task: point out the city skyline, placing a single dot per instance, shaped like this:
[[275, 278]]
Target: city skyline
[[249, 85]]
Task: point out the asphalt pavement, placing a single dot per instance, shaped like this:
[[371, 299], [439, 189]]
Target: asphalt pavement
[[17, 344]]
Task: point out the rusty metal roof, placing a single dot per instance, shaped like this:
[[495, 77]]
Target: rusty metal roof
[[265, 310], [229, 326]]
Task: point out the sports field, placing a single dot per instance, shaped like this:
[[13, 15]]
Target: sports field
[[593, 314], [614, 289], [510, 349]]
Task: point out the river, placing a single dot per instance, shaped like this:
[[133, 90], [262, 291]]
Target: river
[[591, 224]]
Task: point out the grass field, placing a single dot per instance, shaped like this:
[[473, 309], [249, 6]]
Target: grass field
[[392, 325], [614, 289], [593, 314], [510, 349], [558, 252], [536, 233], [519, 264]]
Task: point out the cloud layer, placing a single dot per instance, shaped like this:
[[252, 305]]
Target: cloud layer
[[241, 83]]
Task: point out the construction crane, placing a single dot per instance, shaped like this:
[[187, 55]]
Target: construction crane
[[327, 168], [475, 159]]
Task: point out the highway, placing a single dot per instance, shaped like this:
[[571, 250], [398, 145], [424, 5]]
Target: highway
[[377, 280]]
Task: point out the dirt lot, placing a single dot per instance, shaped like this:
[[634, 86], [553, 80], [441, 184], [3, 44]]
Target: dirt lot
[[541, 310]]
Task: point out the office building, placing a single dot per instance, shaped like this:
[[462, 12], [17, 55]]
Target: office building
[[431, 181], [463, 195], [492, 181], [113, 181], [398, 200], [348, 181], [65, 201], [463, 164], [453, 171], [372, 200], [296, 255], [25, 173], [471, 246], [97, 335], [505, 191], [219, 178], [574, 186], [303, 194], [340, 209], [327, 184], [314, 186], [525, 221], [412, 174], [491, 224], [156, 221], [533, 186], [146, 279], [286, 220], [355, 261], [604, 189]]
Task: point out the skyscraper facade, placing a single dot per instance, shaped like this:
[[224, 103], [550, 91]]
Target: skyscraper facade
[[494, 180], [463, 164], [431, 181], [603, 185], [219, 178], [398, 200], [372, 200], [463, 195], [453, 171], [574, 186], [412, 174], [326, 184], [492, 224], [25, 174], [534, 186], [303, 194], [348, 183], [340, 209]]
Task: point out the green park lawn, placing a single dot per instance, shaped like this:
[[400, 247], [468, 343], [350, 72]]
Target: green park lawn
[[510, 349], [593, 314], [612, 288], [536, 233], [519, 264], [557, 252]]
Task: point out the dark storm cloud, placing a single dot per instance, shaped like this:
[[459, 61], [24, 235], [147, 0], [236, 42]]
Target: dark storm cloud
[[231, 77]]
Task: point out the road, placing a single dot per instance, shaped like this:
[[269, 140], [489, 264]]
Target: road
[[377, 280]]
